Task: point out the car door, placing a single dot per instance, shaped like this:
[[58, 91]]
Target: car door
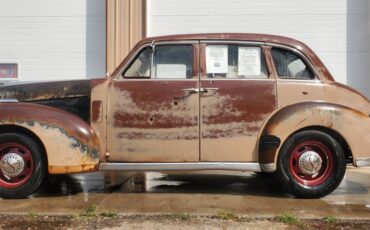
[[153, 110], [238, 94]]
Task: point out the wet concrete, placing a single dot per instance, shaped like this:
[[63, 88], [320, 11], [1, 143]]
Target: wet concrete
[[204, 193]]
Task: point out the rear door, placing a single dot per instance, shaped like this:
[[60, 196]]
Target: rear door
[[153, 111], [238, 94]]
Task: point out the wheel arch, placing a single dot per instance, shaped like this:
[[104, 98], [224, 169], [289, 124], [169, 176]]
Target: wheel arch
[[70, 144], [336, 135], [347, 125], [22, 130]]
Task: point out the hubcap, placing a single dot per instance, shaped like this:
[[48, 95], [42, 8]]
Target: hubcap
[[310, 163], [16, 165], [11, 165]]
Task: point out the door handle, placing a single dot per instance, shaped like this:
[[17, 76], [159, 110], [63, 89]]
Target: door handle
[[199, 90], [191, 90], [206, 90]]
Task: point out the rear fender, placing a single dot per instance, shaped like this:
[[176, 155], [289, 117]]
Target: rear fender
[[351, 124], [70, 143]]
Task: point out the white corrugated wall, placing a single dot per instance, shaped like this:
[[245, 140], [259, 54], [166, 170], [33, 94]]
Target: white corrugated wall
[[337, 30], [53, 39]]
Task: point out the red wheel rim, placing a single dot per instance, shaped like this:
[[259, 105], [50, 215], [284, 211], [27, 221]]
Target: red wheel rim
[[22, 153], [322, 174]]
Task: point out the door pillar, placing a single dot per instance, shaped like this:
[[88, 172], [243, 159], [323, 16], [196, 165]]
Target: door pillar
[[126, 25]]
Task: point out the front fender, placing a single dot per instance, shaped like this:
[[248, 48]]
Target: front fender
[[351, 124], [70, 143]]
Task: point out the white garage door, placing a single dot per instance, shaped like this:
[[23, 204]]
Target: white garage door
[[337, 30], [53, 39]]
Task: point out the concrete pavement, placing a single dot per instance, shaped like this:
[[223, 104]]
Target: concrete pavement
[[203, 193]]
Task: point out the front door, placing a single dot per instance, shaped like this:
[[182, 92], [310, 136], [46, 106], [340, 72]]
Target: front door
[[238, 95], [153, 109]]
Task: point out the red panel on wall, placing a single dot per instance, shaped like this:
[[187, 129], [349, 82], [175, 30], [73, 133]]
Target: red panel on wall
[[8, 71]]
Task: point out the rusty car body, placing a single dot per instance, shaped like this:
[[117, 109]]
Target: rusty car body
[[248, 102]]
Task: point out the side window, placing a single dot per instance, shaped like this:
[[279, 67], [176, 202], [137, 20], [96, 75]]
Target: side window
[[141, 67], [290, 66], [173, 61], [170, 62], [235, 61]]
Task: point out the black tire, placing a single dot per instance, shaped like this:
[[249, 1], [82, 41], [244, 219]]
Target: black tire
[[36, 174], [287, 165]]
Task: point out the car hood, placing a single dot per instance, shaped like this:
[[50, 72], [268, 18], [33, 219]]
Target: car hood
[[45, 90]]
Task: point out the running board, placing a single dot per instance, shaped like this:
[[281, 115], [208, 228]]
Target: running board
[[196, 166]]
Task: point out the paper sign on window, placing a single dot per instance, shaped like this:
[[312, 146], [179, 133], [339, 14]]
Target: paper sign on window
[[171, 71], [249, 61], [217, 59]]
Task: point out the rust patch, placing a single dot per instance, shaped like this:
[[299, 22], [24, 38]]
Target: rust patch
[[73, 169], [153, 119], [68, 140], [232, 117], [96, 111], [46, 90], [351, 124], [97, 82]]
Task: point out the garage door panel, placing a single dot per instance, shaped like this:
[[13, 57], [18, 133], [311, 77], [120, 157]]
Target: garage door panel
[[334, 29], [54, 40]]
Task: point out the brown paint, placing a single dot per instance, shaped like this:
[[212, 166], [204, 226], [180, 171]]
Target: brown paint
[[46, 90], [96, 111], [68, 140], [99, 92], [149, 120], [339, 118], [322, 70], [231, 115]]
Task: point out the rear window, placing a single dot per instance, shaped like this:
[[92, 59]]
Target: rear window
[[290, 66]]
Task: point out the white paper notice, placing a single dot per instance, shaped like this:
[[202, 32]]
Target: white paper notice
[[217, 59], [249, 61], [171, 71]]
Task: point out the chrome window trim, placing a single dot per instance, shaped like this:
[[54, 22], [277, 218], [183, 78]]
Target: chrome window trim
[[237, 79], [253, 43], [301, 55], [120, 76], [195, 166]]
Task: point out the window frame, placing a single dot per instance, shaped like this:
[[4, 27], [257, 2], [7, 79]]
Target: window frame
[[139, 50], [302, 56], [261, 45], [132, 61]]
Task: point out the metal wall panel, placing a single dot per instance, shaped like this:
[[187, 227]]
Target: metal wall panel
[[54, 39], [337, 30]]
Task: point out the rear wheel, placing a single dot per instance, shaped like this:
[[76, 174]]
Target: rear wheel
[[311, 164], [22, 165]]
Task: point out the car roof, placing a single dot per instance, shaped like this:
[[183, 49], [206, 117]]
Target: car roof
[[268, 38], [265, 38]]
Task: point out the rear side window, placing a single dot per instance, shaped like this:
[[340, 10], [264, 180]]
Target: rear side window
[[235, 61], [290, 66]]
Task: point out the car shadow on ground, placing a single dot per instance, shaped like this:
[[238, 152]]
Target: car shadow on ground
[[189, 183]]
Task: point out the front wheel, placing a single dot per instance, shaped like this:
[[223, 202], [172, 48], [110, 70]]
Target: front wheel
[[22, 165], [311, 164]]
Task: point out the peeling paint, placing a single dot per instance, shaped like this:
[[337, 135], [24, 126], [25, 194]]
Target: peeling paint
[[73, 149]]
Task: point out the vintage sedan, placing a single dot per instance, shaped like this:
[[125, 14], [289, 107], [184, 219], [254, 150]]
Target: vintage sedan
[[244, 102]]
